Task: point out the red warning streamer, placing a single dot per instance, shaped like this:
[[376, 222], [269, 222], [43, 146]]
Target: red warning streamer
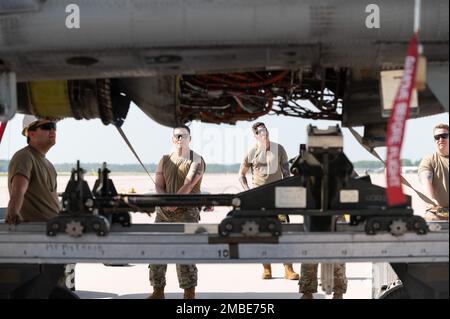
[[2, 129], [396, 127]]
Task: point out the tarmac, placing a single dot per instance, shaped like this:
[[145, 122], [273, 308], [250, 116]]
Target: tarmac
[[215, 281]]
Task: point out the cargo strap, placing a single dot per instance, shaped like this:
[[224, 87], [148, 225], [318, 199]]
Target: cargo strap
[[372, 151], [122, 133]]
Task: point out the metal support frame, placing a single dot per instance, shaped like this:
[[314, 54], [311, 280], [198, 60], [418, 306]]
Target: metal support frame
[[200, 243], [422, 259]]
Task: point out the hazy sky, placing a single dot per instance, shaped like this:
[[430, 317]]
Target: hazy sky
[[91, 141]]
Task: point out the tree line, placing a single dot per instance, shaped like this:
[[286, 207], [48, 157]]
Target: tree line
[[210, 168]]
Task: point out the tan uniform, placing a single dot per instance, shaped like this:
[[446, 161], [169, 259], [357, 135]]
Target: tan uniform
[[266, 166], [438, 166], [175, 171], [41, 199], [40, 204]]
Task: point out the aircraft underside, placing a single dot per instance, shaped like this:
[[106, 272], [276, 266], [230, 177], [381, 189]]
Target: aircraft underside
[[217, 62]]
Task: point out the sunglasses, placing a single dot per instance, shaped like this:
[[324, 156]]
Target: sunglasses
[[444, 136], [261, 131], [180, 136], [46, 126]]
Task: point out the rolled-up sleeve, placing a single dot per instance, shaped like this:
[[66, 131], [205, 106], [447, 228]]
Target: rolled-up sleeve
[[425, 166], [20, 165], [245, 161]]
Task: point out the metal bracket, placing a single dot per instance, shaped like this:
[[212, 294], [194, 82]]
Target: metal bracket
[[8, 96]]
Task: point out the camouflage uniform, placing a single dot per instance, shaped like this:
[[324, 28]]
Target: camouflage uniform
[[308, 275], [175, 172], [308, 278], [187, 274]]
